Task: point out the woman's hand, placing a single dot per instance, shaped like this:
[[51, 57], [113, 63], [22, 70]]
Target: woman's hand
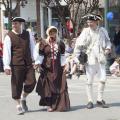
[[36, 66], [7, 71]]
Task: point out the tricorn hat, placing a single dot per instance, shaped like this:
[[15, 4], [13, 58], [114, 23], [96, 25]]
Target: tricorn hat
[[93, 17], [18, 19], [51, 28]]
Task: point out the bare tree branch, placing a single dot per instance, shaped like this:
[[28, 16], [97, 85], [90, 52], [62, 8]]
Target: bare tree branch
[[4, 3], [76, 8]]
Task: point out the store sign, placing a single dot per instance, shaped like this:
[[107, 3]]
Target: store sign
[[5, 20]]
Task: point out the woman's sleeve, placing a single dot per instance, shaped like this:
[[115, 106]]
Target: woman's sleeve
[[62, 54], [38, 55]]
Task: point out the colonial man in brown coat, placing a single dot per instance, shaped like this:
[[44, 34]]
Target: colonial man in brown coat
[[17, 59]]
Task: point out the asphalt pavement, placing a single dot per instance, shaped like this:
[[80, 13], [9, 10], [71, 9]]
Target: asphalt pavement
[[78, 100]]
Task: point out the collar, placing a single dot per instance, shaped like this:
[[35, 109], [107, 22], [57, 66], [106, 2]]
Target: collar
[[95, 30], [17, 32]]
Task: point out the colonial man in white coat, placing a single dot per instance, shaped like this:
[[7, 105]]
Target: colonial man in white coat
[[96, 42]]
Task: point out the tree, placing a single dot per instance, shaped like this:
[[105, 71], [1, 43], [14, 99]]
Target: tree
[[76, 8], [12, 12]]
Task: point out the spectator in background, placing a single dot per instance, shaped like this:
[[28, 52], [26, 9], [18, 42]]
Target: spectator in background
[[69, 57], [115, 68], [116, 40]]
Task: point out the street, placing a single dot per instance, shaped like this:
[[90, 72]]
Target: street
[[78, 102]]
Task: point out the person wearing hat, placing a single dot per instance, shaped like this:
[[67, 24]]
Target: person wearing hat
[[95, 42], [49, 56], [18, 59]]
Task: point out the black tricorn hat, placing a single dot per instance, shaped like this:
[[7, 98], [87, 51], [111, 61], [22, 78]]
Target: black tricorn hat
[[18, 19], [93, 17]]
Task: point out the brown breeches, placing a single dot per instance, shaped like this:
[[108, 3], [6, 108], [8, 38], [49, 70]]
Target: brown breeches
[[22, 79]]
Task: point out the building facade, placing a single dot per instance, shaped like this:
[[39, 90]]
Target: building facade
[[28, 12], [1, 22], [30, 15], [47, 15]]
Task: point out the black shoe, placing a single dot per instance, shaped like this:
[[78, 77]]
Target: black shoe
[[24, 105], [102, 104], [90, 105]]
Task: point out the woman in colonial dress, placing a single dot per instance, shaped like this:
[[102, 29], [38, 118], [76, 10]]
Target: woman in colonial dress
[[52, 85]]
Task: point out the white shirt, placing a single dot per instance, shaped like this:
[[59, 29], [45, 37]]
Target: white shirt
[[7, 50]]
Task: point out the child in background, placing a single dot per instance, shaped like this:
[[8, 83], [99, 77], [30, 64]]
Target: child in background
[[115, 68]]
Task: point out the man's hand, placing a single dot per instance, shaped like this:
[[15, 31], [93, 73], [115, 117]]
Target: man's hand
[[107, 51], [7, 71], [65, 68]]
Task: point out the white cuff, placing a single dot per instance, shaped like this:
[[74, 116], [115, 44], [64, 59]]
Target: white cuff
[[37, 62], [7, 67], [108, 47], [40, 60]]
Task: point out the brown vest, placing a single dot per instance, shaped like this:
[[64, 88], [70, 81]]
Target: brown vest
[[20, 49]]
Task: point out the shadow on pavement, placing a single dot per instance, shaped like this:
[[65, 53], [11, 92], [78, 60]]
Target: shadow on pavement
[[74, 108], [114, 104], [39, 110]]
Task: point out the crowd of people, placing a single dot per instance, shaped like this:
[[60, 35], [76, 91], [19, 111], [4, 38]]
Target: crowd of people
[[55, 59]]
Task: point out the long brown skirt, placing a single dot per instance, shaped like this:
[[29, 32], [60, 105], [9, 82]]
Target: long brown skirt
[[53, 92]]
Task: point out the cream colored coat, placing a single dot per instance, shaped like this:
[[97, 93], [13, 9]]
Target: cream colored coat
[[94, 42]]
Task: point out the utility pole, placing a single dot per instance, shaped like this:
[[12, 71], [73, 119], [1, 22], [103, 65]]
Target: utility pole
[[106, 8], [0, 23], [38, 18]]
